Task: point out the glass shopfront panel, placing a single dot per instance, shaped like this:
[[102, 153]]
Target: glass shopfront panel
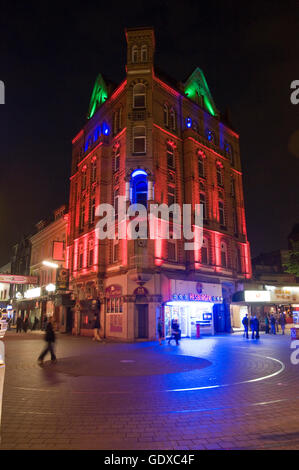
[[189, 315]]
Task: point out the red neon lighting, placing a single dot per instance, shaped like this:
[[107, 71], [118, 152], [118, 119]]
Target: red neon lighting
[[167, 87], [167, 132], [80, 134]]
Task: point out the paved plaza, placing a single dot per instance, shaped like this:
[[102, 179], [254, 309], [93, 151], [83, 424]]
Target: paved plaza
[[222, 392]]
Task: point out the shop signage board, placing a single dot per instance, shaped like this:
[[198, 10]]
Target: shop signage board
[[62, 279], [285, 295], [256, 296], [12, 279], [195, 291]]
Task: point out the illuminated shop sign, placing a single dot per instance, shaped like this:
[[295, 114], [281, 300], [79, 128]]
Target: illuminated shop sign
[[257, 296], [197, 297]]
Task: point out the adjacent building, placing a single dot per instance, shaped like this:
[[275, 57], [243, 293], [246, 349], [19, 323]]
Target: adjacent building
[[152, 140], [49, 295]]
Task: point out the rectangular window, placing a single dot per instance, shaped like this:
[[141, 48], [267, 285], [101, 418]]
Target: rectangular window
[[115, 201], [90, 257], [115, 251], [139, 139], [92, 210], [223, 259], [171, 250], [170, 156], [171, 195], [202, 200], [204, 255], [221, 213], [116, 159], [82, 217]]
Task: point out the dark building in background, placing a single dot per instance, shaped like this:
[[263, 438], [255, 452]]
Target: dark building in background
[[20, 263]]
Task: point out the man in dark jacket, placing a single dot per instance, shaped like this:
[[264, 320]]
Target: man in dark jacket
[[255, 327], [50, 339], [245, 324], [19, 324]]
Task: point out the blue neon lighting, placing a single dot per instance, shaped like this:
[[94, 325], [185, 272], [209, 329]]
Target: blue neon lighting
[[138, 172]]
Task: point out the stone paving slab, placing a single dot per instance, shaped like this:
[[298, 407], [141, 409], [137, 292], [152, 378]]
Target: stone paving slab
[[91, 399]]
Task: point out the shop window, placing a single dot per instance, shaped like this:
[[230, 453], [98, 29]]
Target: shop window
[[139, 96], [139, 144]]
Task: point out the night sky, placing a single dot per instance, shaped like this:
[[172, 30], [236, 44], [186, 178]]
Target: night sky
[[51, 55]]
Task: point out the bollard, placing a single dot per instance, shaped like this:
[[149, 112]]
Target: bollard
[[2, 372]]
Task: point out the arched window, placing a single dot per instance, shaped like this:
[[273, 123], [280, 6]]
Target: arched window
[[134, 54], [201, 165], [223, 255], [139, 187], [139, 144], [211, 136], [205, 251], [139, 96], [144, 53], [172, 119], [165, 115]]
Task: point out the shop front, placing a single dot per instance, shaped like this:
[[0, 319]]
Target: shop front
[[192, 304], [266, 301]]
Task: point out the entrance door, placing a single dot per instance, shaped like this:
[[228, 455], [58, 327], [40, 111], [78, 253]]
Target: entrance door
[[142, 318]]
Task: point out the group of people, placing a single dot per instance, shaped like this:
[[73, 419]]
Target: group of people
[[271, 325], [24, 324]]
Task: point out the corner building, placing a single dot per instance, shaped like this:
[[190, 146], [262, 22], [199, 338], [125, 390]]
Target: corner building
[[153, 140]]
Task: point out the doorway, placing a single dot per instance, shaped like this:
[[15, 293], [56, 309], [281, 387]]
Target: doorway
[[142, 320]]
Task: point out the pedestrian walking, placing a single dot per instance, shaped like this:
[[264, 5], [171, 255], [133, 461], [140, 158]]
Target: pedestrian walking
[[267, 325], [272, 323], [19, 324], [282, 322], [175, 331], [245, 324], [160, 330], [25, 324], [96, 327], [50, 340]]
